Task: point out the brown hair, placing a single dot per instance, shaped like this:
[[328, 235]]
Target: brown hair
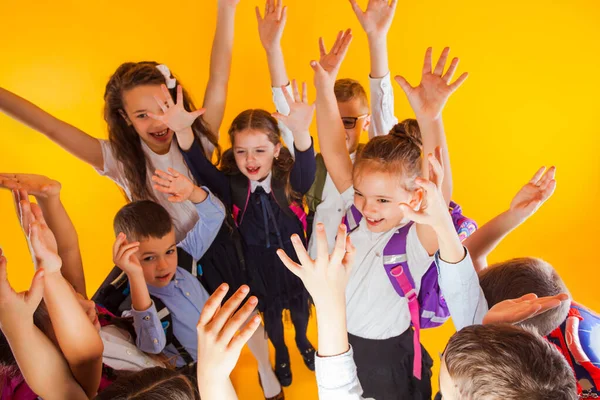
[[143, 219], [261, 120], [400, 152], [123, 138], [517, 277], [149, 384], [349, 89], [507, 362]]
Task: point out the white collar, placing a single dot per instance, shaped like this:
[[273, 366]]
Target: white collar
[[265, 184]]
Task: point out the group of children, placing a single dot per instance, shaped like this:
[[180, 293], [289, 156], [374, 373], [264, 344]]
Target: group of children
[[367, 233]]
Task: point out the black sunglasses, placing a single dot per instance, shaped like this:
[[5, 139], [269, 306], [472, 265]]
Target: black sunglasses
[[350, 122]]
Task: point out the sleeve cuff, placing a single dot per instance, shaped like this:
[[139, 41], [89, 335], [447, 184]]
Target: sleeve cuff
[[337, 371], [209, 204]]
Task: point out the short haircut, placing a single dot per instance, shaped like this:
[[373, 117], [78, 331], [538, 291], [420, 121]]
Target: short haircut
[[349, 89], [507, 362], [143, 219], [517, 277]]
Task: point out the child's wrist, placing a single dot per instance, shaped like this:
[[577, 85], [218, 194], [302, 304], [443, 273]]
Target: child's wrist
[[274, 50], [198, 195]]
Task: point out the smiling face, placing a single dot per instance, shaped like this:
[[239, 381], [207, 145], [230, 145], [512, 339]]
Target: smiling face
[[254, 153], [158, 258], [137, 103], [378, 194]]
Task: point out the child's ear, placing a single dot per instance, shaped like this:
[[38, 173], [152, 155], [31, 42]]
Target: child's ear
[[125, 117], [277, 150], [367, 123], [416, 199]]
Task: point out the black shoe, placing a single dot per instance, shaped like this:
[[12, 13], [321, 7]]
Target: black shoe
[[308, 356], [284, 374]]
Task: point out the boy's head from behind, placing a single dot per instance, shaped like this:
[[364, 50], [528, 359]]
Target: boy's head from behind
[[150, 224], [517, 277], [504, 362], [354, 109]]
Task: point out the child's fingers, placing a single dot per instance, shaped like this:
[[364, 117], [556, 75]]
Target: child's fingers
[[427, 61], [175, 199], [128, 251], [426, 184], [406, 87], [411, 214], [339, 250], [304, 93], [286, 94], [117, 244], [441, 64], [245, 334], [537, 175], [161, 104], [167, 94], [173, 172], [547, 177], [457, 83], [451, 70], [343, 49], [548, 190], [164, 175], [294, 267], [37, 213], [322, 48], [227, 310], [322, 246], [338, 43], [348, 260], [527, 297], [211, 305], [27, 217], [4, 284], [283, 16], [356, 8], [179, 95], [124, 248], [234, 323], [34, 295], [295, 91], [196, 114], [437, 168], [258, 16], [301, 252]]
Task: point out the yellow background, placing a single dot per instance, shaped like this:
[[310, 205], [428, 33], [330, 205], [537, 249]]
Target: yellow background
[[531, 100]]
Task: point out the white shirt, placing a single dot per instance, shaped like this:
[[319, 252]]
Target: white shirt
[[120, 352], [331, 210], [337, 378], [265, 184], [374, 309], [183, 214]]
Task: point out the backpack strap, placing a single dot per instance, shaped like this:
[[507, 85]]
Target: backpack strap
[[314, 196], [167, 322], [240, 195], [395, 262], [292, 210]]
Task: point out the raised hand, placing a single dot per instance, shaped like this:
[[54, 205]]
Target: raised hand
[[535, 193], [35, 185], [329, 64], [433, 210], [16, 307], [270, 27], [327, 275], [219, 343], [301, 113], [377, 18], [175, 116], [178, 186], [124, 255], [429, 98], [523, 308], [42, 243]]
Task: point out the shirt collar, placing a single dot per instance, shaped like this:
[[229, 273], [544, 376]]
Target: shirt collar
[[265, 184]]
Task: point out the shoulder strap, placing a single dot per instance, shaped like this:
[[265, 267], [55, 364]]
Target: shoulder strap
[[293, 210], [186, 261], [240, 194], [352, 218], [314, 196], [167, 322]]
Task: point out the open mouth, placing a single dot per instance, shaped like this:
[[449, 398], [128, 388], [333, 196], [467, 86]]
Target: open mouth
[[162, 135], [252, 170], [164, 278], [373, 222]]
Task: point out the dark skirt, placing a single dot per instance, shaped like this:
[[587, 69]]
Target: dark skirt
[[385, 368]]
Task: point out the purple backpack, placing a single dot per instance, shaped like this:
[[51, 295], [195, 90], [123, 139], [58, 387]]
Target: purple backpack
[[428, 309]]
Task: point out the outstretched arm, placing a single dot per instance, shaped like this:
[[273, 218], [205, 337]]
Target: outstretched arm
[[215, 96], [525, 203], [41, 363], [330, 129], [47, 194], [74, 140]]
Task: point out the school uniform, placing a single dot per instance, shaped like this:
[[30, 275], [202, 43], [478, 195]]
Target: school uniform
[[265, 227], [184, 296]]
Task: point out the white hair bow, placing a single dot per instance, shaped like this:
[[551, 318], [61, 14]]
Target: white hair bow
[[171, 82]]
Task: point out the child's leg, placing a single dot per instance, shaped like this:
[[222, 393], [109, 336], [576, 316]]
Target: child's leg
[[299, 313], [274, 327], [259, 346]]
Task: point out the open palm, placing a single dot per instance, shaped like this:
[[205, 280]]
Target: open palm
[[531, 196], [178, 186], [430, 96], [377, 18], [514, 311], [175, 116], [270, 27], [36, 185]]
